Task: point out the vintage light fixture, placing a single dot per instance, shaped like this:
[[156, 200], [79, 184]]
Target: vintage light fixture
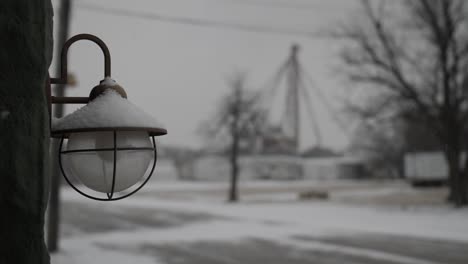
[[109, 142]]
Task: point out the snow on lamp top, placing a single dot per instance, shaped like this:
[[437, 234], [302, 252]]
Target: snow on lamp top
[[109, 81], [107, 112]]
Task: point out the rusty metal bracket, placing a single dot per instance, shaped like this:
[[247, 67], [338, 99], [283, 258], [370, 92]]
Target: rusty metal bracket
[[63, 79]]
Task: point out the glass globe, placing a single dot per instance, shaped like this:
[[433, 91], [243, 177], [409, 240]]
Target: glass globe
[[95, 168]]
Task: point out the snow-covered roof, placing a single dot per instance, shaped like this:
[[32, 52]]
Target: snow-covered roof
[[109, 110]]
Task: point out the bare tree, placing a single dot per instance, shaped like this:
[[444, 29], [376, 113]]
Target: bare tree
[[239, 119], [384, 135], [415, 54]]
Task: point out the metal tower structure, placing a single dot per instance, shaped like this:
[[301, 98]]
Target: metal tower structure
[[286, 136], [292, 105]]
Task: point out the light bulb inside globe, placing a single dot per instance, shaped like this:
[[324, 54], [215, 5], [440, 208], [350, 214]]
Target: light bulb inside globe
[[94, 167]]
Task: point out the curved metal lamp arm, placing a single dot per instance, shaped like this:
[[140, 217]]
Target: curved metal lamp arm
[[63, 79], [64, 57]]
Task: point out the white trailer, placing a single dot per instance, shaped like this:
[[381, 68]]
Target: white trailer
[[426, 168]]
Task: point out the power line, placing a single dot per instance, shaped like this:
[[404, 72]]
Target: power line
[[194, 21], [327, 104], [267, 3], [312, 115]]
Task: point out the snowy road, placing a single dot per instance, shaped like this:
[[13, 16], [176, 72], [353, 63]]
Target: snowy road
[[144, 230]]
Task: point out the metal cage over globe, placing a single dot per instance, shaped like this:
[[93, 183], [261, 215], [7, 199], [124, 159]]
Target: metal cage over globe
[[109, 169]]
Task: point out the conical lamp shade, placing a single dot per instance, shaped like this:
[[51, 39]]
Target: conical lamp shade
[[107, 112]]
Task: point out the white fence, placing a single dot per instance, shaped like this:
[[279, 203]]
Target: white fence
[[278, 167]]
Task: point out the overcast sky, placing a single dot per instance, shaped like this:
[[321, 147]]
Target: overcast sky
[[177, 72]]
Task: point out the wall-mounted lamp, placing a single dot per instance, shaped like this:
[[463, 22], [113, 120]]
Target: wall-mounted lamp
[[110, 141]]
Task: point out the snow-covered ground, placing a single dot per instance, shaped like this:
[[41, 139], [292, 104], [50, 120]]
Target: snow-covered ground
[[180, 222]]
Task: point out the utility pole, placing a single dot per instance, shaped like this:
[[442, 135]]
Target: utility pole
[[53, 223], [25, 51], [292, 98]]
